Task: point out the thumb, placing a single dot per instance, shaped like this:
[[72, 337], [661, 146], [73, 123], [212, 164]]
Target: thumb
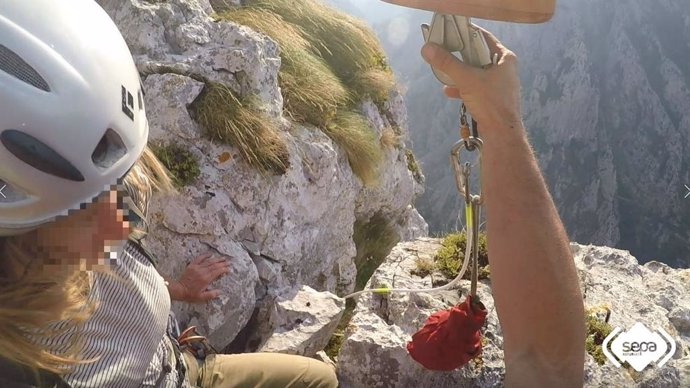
[[442, 60]]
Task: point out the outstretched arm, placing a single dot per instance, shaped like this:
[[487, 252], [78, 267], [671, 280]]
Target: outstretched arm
[[533, 277]]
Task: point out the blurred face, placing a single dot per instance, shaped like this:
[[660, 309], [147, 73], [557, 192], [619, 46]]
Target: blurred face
[[83, 236]]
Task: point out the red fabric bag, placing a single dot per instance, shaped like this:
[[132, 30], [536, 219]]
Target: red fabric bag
[[449, 338]]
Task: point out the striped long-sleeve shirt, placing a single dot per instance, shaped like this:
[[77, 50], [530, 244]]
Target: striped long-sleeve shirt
[[127, 330]]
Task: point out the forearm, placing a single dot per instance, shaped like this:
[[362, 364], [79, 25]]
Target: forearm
[[534, 280]]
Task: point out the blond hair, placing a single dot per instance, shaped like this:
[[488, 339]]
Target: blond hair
[[30, 305]]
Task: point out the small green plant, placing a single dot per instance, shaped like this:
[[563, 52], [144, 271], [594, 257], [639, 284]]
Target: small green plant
[[224, 117], [181, 162], [413, 166], [449, 258], [597, 331]]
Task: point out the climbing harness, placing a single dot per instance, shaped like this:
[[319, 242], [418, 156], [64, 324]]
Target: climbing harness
[[195, 343]]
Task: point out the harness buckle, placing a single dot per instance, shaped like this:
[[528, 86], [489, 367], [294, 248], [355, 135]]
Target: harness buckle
[[195, 343]]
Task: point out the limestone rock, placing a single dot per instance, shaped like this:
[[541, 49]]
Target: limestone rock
[[173, 94], [222, 5], [414, 226], [373, 353], [282, 231], [180, 35], [305, 319], [225, 316]]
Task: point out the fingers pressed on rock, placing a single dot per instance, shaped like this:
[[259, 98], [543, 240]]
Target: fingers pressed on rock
[[210, 263], [208, 295]]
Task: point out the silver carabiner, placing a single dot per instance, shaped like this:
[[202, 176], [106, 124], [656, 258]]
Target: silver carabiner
[[462, 173]]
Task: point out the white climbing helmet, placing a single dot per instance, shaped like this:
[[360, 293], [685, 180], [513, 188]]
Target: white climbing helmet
[[72, 120]]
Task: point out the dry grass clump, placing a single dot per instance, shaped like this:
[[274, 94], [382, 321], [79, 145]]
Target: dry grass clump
[[330, 62], [373, 83], [224, 117], [389, 139], [311, 92], [352, 132], [345, 43]]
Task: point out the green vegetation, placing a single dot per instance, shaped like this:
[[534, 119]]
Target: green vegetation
[[330, 62], [597, 331], [224, 117], [413, 166], [181, 162], [449, 258]]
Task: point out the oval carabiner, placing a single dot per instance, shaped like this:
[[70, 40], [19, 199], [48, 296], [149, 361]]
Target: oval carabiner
[[462, 173]]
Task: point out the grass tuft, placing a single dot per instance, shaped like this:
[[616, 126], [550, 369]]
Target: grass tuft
[[423, 267], [322, 51], [312, 93], [389, 139], [352, 132], [345, 43], [224, 117], [376, 84]]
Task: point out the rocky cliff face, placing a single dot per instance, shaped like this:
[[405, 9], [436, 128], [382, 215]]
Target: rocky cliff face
[[374, 354], [605, 100], [280, 231]]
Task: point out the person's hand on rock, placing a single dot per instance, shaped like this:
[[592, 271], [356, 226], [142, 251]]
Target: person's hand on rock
[[200, 273]]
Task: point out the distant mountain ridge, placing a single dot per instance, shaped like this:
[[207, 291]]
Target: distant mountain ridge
[[606, 100]]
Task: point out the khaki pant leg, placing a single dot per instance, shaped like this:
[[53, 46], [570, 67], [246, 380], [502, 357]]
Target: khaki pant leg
[[193, 368], [266, 370]]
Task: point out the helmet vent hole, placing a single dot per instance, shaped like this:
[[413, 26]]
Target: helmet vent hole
[[39, 155], [109, 150], [15, 66]]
